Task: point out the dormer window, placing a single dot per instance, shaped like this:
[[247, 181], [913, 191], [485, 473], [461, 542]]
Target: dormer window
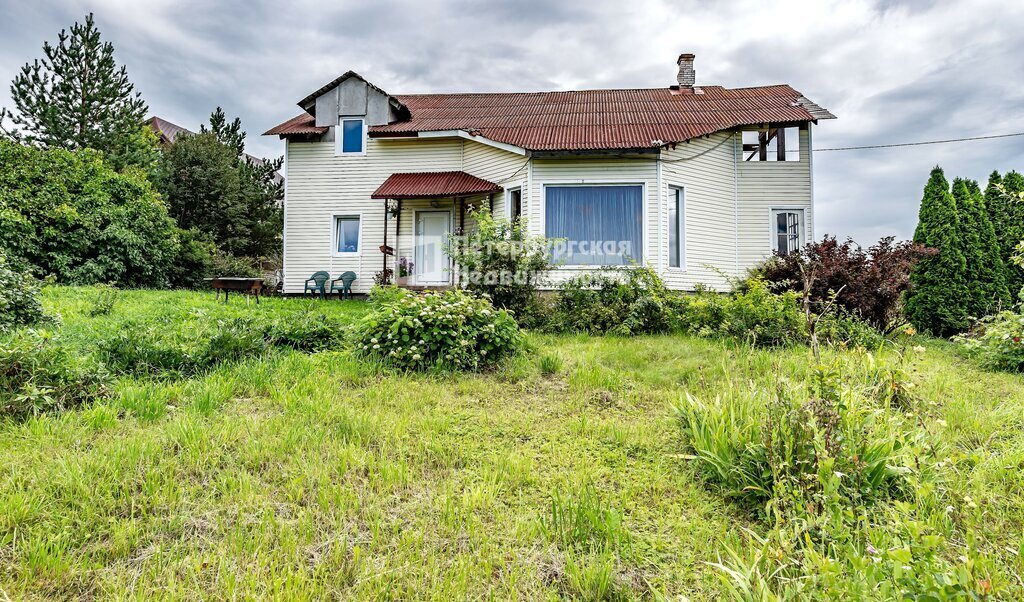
[[350, 136]]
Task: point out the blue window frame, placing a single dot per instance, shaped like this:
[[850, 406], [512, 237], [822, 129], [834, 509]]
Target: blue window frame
[[596, 225], [351, 136]]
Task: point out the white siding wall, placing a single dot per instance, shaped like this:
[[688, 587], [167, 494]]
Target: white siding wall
[[321, 184], [705, 169], [763, 186], [593, 170], [727, 200]]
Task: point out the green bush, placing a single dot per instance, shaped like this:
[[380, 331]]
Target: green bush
[[103, 302], [195, 260], [753, 314], [998, 341], [70, 215], [501, 260], [840, 329], [19, 298], [308, 331], [450, 330], [385, 294], [615, 301], [37, 376]]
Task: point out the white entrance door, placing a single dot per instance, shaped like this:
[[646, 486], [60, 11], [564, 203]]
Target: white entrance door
[[432, 264]]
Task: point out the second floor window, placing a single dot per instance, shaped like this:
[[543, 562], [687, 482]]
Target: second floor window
[[349, 137], [772, 144]]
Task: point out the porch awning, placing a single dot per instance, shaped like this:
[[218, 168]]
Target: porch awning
[[433, 185]]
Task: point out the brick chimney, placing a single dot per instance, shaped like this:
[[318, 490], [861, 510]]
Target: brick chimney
[[687, 76]]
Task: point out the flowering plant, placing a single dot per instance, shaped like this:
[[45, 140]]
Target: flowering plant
[[404, 267], [449, 330]]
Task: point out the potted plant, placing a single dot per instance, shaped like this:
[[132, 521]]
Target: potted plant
[[404, 270]]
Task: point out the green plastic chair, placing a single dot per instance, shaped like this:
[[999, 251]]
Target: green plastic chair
[[345, 290], [315, 284]]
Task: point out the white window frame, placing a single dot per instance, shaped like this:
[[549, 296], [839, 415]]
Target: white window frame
[[339, 137], [508, 201], [543, 226], [773, 235], [678, 193], [334, 233]]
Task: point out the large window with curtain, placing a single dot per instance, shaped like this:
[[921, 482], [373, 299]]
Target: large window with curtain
[[676, 228], [596, 225]]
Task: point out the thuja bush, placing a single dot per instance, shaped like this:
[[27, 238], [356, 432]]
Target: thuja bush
[[453, 330]]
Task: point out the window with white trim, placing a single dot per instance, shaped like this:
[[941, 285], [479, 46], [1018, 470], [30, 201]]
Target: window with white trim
[[346, 234], [350, 137], [787, 230], [771, 144], [596, 224], [515, 203], [676, 228]]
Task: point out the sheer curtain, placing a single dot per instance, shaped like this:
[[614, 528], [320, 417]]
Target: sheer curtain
[[600, 225]]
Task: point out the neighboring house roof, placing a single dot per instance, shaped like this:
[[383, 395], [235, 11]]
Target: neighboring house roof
[[590, 119], [426, 185], [167, 132]]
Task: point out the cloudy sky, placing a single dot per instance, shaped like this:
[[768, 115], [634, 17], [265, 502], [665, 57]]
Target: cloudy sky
[[891, 71]]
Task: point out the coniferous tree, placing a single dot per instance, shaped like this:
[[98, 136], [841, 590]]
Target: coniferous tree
[[77, 97], [1004, 197], [937, 303], [986, 276], [212, 186]]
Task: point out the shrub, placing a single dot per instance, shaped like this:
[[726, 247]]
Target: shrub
[[71, 215], [616, 301], [841, 329], [194, 262], [502, 260], [763, 318], [308, 331], [450, 330], [998, 341], [37, 375], [386, 293], [19, 298], [103, 302], [868, 285]]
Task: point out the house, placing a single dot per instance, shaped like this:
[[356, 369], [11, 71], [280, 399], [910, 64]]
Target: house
[[698, 182], [166, 132]]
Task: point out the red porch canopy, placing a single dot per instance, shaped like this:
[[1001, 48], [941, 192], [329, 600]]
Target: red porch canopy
[[433, 185]]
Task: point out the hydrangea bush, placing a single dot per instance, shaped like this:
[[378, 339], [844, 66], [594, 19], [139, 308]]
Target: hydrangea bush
[[451, 330], [998, 341]]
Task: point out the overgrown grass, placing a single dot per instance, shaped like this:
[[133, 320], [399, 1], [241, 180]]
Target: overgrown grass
[[290, 475]]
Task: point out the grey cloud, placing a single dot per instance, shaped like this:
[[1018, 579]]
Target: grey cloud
[[891, 70]]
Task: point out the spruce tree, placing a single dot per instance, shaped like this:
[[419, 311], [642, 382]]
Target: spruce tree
[[937, 302], [986, 276], [77, 97]]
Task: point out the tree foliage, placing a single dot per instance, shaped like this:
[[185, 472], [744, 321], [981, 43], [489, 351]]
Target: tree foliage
[[986, 284], [77, 97], [212, 186], [938, 300], [70, 215], [1004, 197], [867, 284]]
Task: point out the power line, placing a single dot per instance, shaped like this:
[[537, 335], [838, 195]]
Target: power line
[[847, 148]]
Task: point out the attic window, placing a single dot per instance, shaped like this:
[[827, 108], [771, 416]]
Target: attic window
[[349, 137], [772, 144]]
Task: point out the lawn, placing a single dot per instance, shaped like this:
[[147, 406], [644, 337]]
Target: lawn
[[312, 476]]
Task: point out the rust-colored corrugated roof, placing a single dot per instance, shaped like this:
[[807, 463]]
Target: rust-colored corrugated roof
[[428, 185], [592, 119], [302, 125]]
